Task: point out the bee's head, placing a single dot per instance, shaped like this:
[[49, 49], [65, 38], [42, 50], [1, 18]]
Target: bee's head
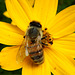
[[35, 24]]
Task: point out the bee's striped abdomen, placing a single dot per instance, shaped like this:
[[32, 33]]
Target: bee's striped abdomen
[[37, 56]]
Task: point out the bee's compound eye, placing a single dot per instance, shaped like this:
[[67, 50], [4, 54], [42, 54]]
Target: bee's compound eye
[[36, 24]]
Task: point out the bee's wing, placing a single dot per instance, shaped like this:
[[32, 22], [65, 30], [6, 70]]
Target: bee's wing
[[22, 53]]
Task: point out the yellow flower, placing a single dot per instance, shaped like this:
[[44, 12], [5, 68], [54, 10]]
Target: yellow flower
[[59, 57]]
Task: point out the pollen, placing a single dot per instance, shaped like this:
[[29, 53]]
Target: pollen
[[47, 38]]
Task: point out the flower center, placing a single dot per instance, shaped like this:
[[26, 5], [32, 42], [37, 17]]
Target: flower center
[[47, 38]]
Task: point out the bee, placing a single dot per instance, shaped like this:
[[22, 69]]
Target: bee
[[31, 45]]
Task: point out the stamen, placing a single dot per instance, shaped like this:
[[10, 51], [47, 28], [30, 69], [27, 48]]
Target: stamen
[[51, 42], [46, 39], [23, 36], [45, 28], [44, 44], [49, 39]]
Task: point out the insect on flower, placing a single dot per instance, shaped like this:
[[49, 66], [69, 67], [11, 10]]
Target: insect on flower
[[33, 43], [42, 41]]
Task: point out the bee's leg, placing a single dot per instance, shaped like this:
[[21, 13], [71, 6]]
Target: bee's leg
[[23, 36]]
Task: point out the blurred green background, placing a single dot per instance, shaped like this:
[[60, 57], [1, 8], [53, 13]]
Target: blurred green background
[[61, 5]]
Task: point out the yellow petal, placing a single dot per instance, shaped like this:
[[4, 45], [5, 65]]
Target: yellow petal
[[8, 58], [29, 68], [13, 23], [60, 63], [17, 14], [53, 66], [6, 14], [27, 7], [71, 59], [45, 10], [66, 45], [30, 2], [10, 35], [70, 37], [66, 42], [63, 23]]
